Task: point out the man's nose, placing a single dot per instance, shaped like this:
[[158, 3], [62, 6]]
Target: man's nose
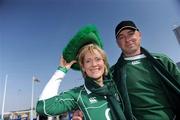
[[127, 38]]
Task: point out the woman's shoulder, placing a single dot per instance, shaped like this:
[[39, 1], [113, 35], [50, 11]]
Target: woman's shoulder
[[75, 90]]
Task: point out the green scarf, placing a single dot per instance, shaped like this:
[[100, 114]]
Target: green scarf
[[106, 90], [119, 77]]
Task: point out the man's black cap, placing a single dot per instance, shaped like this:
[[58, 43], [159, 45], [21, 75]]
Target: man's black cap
[[125, 25]]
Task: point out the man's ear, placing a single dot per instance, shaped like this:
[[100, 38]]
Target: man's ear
[[118, 44]]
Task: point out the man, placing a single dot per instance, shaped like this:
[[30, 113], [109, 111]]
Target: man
[[144, 80]]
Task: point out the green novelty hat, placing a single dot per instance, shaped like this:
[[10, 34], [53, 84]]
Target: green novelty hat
[[84, 36]]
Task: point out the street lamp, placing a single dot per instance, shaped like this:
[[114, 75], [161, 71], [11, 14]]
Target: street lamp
[[4, 97], [34, 79]]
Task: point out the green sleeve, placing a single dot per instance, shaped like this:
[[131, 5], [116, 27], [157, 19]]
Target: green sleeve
[[56, 105], [171, 67]]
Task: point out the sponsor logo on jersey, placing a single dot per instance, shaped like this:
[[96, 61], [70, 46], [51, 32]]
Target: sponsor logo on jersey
[[92, 100], [135, 62]]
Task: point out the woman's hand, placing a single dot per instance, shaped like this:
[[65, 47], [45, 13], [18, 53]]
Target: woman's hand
[[63, 63], [77, 115]]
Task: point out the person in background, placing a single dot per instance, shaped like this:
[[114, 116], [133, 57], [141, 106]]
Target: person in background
[[97, 98], [148, 82]]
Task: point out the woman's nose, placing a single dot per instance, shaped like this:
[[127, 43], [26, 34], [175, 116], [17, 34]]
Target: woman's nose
[[94, 63]]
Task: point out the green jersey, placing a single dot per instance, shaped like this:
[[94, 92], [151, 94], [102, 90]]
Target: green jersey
[[94, 107], [148, 100]]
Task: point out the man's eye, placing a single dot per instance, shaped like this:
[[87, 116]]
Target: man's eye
[[121, 37]]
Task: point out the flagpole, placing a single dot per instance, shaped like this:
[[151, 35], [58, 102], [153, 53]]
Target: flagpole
[[32, 96], [4, 97]]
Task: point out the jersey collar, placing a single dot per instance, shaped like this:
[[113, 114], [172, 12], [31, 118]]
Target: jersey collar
[[135, 57]]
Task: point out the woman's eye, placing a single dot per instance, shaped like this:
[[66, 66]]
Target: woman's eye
[[87, 61], [98, 59]]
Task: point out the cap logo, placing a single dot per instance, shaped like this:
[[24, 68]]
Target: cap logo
[[124, 28]]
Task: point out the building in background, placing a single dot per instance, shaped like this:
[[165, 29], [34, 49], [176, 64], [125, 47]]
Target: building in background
[[19, 115], [178, 64], [177, 33], [25, 115]]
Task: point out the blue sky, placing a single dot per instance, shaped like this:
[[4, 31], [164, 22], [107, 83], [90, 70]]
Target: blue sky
[[33, 34]]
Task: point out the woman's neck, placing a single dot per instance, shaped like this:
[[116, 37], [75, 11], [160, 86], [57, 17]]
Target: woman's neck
[[99, 81]]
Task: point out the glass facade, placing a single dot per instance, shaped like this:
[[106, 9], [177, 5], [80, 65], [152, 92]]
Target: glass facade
[[177, 33]]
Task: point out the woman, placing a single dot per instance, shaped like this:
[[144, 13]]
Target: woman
[[97, 98]]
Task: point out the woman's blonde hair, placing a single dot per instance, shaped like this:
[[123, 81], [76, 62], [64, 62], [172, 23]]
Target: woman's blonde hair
[[90, 48]]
